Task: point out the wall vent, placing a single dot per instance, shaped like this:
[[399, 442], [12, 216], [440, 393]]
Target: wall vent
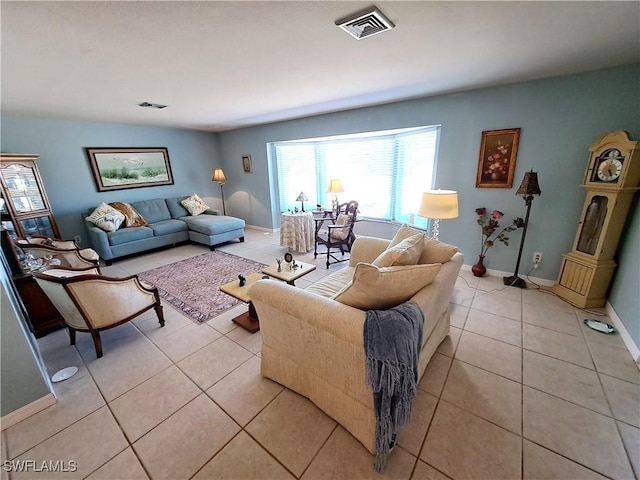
[[365, 23], [151, 105]]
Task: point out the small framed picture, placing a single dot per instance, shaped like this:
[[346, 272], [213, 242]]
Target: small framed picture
[[497, 162], [246, 164]]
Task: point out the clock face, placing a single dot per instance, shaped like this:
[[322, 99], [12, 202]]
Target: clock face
[[608, 166]]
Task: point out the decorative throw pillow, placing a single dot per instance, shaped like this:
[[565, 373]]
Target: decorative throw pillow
[[377, 288], [341, 233], [407, 252], [132, 217], [434, 251], [105, 217], [194, 205]]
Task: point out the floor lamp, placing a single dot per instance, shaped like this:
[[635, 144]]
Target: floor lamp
[[218, 176], [528, 189], [439, 205]]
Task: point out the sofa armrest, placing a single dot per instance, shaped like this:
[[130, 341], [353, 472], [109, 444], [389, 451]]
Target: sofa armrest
[[323, 313], [99, 241], [366, 249]]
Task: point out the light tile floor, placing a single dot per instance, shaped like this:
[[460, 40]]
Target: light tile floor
[[521, 389]]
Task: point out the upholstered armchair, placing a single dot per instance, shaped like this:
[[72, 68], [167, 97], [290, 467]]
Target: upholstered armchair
[[40, 246], [90, 302]]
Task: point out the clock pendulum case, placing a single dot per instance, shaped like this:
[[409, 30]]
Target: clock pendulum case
[[611, 179]]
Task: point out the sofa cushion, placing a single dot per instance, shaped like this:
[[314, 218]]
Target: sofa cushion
[[152, 210], [385, 287], [106, 217], [131, 217], [176, 209], [213, 224], [332, 284], [407, 252], [126, 235], [167, 227], [433, 251], [194, 204]]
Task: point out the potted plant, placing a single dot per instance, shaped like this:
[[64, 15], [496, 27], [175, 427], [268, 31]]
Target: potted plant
[[489, 224]]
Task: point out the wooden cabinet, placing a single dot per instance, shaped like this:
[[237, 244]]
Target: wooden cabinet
[[25, 211]]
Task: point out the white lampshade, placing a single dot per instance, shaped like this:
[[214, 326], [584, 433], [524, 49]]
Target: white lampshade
[[218, 176], [439, 204], [302, 198], [335, 186]]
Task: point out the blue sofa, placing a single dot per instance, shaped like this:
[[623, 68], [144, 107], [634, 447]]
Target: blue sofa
[[169, 223]]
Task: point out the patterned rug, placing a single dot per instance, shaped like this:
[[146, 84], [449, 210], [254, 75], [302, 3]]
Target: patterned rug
[[191, 285]]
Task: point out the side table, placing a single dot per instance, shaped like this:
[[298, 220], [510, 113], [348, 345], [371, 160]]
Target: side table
[[248, 320], [297, 231]]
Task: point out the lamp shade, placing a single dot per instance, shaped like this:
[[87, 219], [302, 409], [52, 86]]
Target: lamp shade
[[218, 176], [335, 186], [439, 204], [529, 185], [302, 197]]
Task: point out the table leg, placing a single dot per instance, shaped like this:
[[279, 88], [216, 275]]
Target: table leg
[[249, 320]]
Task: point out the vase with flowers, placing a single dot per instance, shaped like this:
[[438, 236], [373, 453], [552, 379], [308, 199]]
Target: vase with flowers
[[491, 233]]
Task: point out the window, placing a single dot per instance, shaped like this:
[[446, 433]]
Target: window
[[386, 172]]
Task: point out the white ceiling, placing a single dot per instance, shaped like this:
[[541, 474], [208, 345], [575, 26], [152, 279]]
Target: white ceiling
[[224, 65]]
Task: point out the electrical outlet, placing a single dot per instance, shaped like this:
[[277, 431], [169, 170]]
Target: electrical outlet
[[77, 239], [537, 259]]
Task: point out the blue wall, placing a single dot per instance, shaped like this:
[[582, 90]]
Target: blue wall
[[67, 176], [559, 118]]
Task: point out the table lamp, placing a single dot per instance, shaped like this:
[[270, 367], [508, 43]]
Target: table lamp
[[302, 198], [335, 187], [218, 176], [527, 190], [439, 205]]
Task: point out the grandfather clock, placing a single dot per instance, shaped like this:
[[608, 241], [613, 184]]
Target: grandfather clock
[[611, 179]]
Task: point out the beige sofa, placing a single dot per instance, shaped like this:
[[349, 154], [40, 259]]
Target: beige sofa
[[313, 344]]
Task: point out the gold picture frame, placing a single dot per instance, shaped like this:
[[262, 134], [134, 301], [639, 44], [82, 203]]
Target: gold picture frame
[[246, 164], [497, 161], [123, 168]]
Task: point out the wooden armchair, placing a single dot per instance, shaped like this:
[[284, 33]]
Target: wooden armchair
[[90, 302], [68, 250], [340, 234]]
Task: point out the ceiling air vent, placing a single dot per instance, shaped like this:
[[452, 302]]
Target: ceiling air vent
[[365, 23], [151, 105]]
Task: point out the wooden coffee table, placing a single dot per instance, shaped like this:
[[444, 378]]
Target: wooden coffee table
[[249, 320], [288, 274]]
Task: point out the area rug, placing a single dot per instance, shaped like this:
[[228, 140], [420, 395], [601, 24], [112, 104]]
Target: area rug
[[191, 285]]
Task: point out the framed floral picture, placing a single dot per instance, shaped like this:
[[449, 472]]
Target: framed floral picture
[[497, 162]]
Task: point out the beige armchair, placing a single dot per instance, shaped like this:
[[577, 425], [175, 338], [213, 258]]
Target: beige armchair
[[67, 250], [90, 302]]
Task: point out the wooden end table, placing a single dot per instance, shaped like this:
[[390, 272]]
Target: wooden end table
[[288, 274], [249, 320]]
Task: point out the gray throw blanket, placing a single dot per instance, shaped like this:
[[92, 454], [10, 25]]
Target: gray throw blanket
[[392, 341]]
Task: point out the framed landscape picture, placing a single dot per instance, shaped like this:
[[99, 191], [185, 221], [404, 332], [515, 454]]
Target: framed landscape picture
[[121, 168], [497, 162]]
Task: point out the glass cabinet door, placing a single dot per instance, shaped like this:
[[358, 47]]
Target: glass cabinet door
[[23, 189], [24, 205]]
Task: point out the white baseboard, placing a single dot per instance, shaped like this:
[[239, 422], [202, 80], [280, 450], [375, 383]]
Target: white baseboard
[[262, 229], [32, 408], [499, 273], [624, 334]]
